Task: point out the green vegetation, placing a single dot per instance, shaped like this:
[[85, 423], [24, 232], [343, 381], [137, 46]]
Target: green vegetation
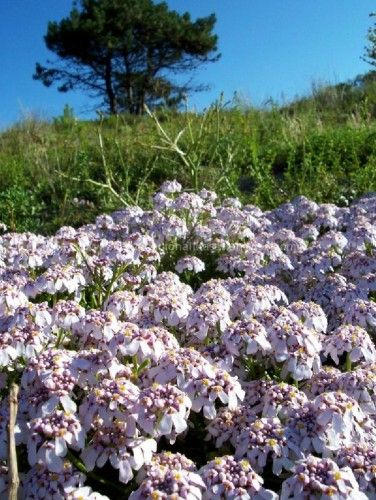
[[65, 172]]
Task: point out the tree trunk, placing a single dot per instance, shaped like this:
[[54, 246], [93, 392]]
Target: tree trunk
[[109, 89], [128, 87], [145, 85]]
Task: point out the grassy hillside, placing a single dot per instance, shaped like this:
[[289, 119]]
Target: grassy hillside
[[63, 173]]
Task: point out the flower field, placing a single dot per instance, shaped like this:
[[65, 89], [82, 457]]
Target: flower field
[[199, 350]]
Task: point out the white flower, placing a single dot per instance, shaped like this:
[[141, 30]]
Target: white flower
[[245, 337], [49, 437], [189, 264], [350, 339], [110, 442], [169, 187], [162, 410], [321, 478]]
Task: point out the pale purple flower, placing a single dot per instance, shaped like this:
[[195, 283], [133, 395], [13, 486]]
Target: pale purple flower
[[22, 342], [317, 263], [50, 436], [325, 380], [4, 421], [3, 479], [162, 410], [227, 424], [310, 314], [296, 346], [66, 313], [209, 314], [332, 420], [173, 461], [92, 365], [123, 304], [204, 392], [217, 355], [261, 440], [166, 300], [104, 221], [321, 478], [333, 240], [145, 343], [362, 235], [207, 195], [255, 391], [111, 443], [41, 483], [60, 279], [351, 340], [246, 337], [180, 366], [226, 477], [360, 384], [99, 270], [279, 399], [331, 293], [308, 232], [151, 351], [250, 300], [264, 258], [190, 263], [10, 299], [111, 398], [289, 242], [164, 483], [367, 282], [207, 319], [232, 262], [362, 313], [49, 379], [169, 228], [85, 492], [361, 459], [161, 201], [358, 264], [96, 329], [191, 203], [146, 247], [231, 202], [33, 314], [170, 187], [119, 253]]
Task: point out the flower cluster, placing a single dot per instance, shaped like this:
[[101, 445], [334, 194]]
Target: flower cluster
[[226, 477], [321, 478], [200, 349]]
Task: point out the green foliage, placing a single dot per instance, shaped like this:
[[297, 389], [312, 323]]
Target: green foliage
[[66, 172], [20, 209], [123, 50], [67, 119], [370, 53]]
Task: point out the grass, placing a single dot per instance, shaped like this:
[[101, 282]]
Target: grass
[[64, 173]]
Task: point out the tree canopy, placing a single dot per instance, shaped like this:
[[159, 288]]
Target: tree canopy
[[127, 52], [370, 50]]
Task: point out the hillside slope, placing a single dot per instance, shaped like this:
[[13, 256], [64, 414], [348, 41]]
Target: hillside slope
[[63, 173]]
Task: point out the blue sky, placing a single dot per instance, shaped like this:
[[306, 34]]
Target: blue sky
[[270, 49]]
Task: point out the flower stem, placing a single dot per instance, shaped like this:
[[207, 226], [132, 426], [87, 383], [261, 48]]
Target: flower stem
[[348, 362], [13, 477], [81, 467]]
